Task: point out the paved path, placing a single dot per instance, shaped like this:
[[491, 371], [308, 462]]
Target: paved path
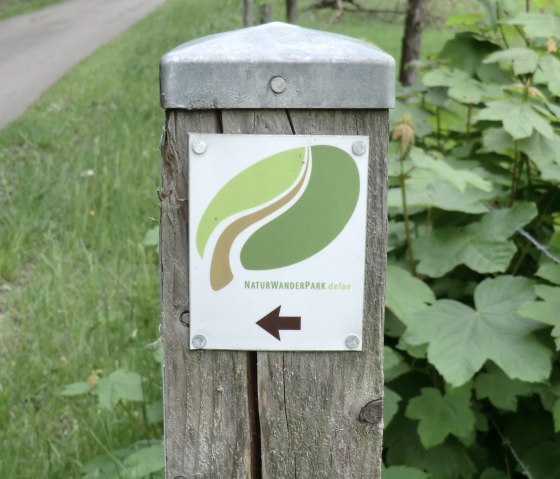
[[38, 48]]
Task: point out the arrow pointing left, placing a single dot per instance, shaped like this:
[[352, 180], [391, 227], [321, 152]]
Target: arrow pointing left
[[272, 323]]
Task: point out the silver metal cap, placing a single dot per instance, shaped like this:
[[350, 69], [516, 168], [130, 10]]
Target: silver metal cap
[[277, 65]]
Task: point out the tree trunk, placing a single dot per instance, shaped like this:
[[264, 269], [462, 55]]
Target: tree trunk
[[266, 13], [291, 11], [247, 13], [411, 41]]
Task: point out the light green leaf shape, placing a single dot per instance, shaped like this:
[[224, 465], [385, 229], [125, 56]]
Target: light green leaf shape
[[499, 389], [518, 119], [404, 472], [524, 60], [143, 462], [460, 179], [442, 415], [546, 311], [449, 460], [550, 272], [254, 186], [314, 220], [461, 339], [496, 140], [406, 295], [390, 406], [120, 385], [537, 25], [483, 246]]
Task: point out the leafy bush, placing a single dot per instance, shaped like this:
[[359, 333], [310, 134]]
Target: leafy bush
[[473, 320]]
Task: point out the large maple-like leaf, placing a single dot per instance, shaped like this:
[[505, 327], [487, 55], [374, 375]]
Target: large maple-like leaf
[[442, 415], [482, 246], [461, 339], [546, 311]]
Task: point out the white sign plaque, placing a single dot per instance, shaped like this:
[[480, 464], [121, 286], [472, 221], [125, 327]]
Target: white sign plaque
[[277, 229]]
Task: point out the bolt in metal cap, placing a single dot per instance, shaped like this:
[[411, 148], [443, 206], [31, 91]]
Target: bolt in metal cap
[[240, 69]]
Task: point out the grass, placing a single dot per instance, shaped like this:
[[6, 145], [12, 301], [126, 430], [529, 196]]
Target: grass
[[78, 290], [10, 8]]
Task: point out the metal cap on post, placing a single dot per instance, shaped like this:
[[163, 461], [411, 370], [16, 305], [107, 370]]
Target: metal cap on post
[[277, 65]]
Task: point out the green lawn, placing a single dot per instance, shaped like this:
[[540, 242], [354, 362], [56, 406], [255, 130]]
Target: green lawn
[[78, 290], [10, 8]]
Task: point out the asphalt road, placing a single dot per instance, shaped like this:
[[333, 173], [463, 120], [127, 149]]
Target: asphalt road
[[38, 48]]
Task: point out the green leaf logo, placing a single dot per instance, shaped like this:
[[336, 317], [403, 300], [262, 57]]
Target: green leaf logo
[[320, 185]]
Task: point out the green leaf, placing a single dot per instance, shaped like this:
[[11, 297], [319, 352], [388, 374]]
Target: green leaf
[[154, 412], [518, 119], [404, 472], [493, 474], [542, 460], [466, 51], [143, 462], [524, 60], [483, 246], [390, 406], [542, 151], [420, 117], [546, 311], [550, 272], [406, 295], [393, 364], [461, 339], [537, 25], [441, 416], [425, 189], [120, 385], [449, 460], [152, 237], [548, 73], [556, 415], [499, 389], [497, 140], [462, 87], [75, 389], [458, 178]]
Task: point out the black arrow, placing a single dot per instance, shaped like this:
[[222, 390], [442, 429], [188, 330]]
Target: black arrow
[[272, 323]]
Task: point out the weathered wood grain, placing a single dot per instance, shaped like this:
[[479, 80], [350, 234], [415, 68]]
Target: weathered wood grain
[[308, 409], [205, 392]]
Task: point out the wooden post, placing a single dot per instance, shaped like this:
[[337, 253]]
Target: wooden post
[[272, 415]]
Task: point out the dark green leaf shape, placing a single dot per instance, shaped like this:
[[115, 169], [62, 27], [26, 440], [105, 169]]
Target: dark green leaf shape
[[441, 415], [537, 25], [404, 472], [316, 218], [524, 60], [461, 339], [482, 246], [499, 389], [406, 295], [546, 311], [518, 119], [449, 460], [390, 406]]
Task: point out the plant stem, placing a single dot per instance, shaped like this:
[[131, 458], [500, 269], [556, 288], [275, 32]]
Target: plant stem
[[469, 114], [402, 178], [438, 127], [514, 172]]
